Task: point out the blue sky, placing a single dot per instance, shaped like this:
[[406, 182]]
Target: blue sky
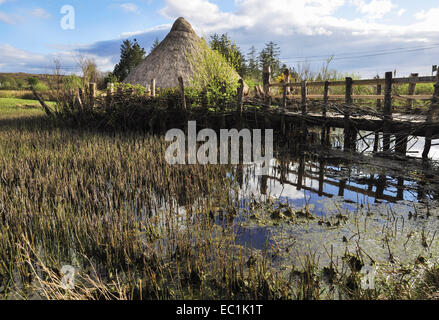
[[404, 33]]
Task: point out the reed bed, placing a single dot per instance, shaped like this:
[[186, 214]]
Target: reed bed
[[127, 225], [111, 207]]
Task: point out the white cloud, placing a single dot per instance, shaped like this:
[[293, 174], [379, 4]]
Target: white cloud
[[14, 59], [310, 27], [375, 9], [153, 29], [302, 17], [129, 7], [40, 13], [401, 12], [279, 16]]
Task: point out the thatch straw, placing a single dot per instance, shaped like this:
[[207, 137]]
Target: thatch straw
[[169, 60]]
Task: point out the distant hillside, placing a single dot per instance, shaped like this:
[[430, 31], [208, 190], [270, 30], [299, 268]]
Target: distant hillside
[[24, 76], [19, 81]]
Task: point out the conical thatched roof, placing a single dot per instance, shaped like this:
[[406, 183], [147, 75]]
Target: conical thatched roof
[[169, 59]]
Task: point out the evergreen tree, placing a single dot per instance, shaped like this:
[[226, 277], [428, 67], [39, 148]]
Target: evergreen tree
[[253, 64], [224, 45], [155, 44], [131, 54], [269, 56]]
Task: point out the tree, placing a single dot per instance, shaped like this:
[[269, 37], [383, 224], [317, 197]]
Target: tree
[[155, 44], [227, 48], [253, 66], [269, 56], [89, 70], [8, 82], [131, 54]]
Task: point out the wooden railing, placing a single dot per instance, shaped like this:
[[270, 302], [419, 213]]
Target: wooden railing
[[383, 99], [287, 85]]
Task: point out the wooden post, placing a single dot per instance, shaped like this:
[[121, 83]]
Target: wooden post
[[303, 93], [387, 111], [325, 98], [287, 79], [341, 187], [284, 107], [266, 80], [300, 173], [284, 97], [411, 90], [431, 111], [82, 95], [324, 111], [400, 189], [183, 97], [379, 109], [92, 93], [347, 123], [78, 97], [153, 88], [321, 177], [376, 142], [378, 92], [401, 143]]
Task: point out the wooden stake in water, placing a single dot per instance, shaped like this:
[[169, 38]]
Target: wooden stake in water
[[387, 112], [431, 111]]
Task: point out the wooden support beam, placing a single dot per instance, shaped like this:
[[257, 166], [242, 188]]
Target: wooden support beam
[[153, 88], [303, 95], [346, 110], [362, 97], [411, 91], [430, 115], [372, 82], [325, 98], [284, 108], [266, 81], [387, 110], [401, 142], [43, 104], [287, 80], [78, 97], [325, 127], [376, 142]]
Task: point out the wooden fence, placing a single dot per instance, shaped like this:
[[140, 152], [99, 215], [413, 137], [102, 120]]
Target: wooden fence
[[384, 96], [384, 99]]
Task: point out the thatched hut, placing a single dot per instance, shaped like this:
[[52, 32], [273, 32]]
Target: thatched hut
[[169, 59]]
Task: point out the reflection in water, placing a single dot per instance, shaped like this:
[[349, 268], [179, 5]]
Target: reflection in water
[[304, 182], [369, 142], [369, 190]]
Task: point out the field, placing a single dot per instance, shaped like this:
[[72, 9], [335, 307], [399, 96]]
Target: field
[[89, 214], [14, 107]]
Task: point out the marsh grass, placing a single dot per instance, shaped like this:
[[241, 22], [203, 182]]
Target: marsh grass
[[109, 205], [134, 227]]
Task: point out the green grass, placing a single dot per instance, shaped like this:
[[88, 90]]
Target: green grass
[[14, 107]]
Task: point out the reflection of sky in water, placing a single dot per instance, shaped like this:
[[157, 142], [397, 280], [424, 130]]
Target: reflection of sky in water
[[415, 145], [340, 187], [332, 182]]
